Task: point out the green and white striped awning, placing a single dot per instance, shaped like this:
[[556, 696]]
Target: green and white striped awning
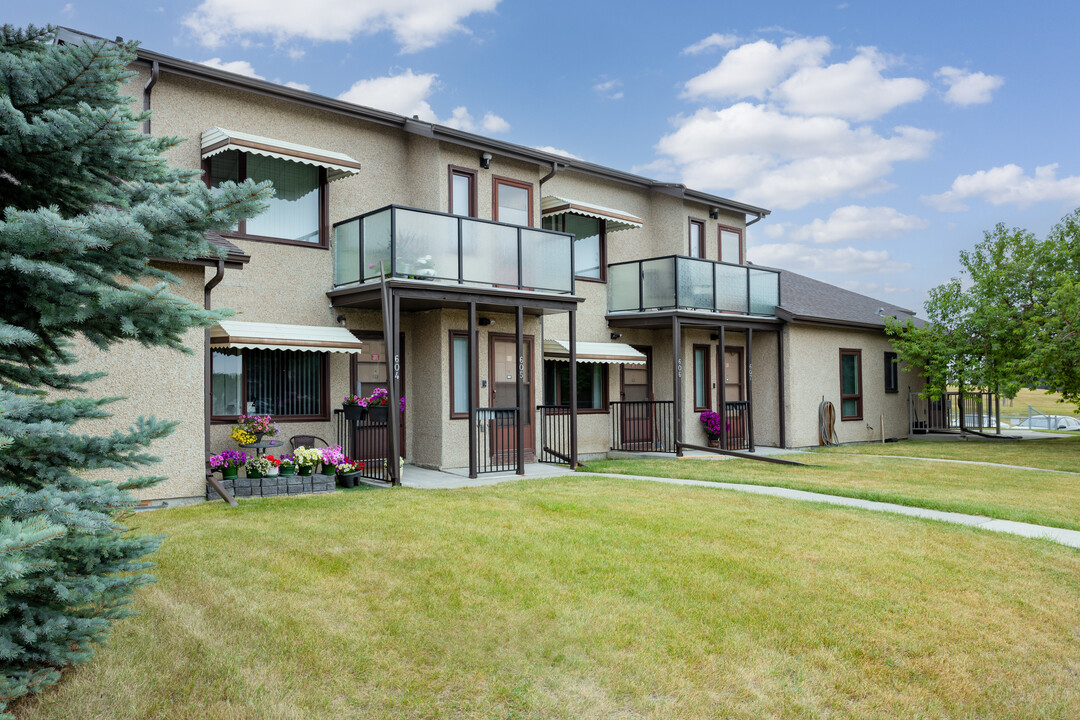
[[592, 352], [276, 336], [551, 205], [218, 140]]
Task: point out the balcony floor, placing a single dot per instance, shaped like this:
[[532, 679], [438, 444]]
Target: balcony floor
[[419, 295], [661, 319]]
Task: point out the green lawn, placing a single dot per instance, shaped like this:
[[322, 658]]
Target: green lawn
[[583, 598], [1059, 453], [1043, 498]]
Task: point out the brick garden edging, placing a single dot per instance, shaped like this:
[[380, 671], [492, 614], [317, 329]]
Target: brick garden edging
[[242, 487]]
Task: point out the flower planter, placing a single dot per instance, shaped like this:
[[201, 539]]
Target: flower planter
[[348, 480], [273, 472], [254, 475], [328, 469], [355, 412], [377, 413], [287, 470], [229, 473], [305, 470]]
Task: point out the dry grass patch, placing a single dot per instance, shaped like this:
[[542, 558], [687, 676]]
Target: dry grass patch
[[584, 598]]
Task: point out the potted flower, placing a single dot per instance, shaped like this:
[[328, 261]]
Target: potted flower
[[288, 465], [306, 460], [228, 463], [331, 456], [355, 407], [348, 472], [377, 403], [250, 429], [714, 423], [275, 466], [257, 467]]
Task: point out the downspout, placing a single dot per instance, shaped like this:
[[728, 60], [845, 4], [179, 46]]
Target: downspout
[[554, 169], [207, 388], [146, 106], [759, 217]]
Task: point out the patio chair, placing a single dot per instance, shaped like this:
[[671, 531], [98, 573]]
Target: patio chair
[[306, 441]]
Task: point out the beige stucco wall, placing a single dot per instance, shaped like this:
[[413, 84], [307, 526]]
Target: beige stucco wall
[[813, 356]]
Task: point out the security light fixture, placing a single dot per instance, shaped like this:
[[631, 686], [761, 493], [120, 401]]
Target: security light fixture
[[714, 213], [616, 336], [485, 161], [483, 321]]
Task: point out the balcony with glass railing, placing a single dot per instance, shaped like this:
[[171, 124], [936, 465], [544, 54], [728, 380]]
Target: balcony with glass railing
[[426, 245], [675, 282]]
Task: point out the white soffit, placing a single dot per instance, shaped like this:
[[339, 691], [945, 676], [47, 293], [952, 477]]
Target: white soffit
[[338, 165], [551, 205], [594, 352], [275, 336]]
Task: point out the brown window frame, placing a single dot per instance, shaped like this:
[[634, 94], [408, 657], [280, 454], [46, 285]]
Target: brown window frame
[[892, 372], [720, 242], [241, 228], [858, 397], [453, 170], [324, 400], [476, 388], [701, 237], [496, 181], [605, 395], [708, 379], [561, 220]]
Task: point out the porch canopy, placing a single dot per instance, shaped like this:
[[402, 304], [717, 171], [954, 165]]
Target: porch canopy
[[274, 336], [592, 352], [551, 205], [338, 165]]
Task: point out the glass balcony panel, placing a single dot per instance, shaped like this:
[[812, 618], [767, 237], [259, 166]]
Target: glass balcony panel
[[658, 283], [623, 289], [425, 245], [377, 244], [347, 253], [764, 292], [490, 253], [695, 284], [731, 288], [545, 260]]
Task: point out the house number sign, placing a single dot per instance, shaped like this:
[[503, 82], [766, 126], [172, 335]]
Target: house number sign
[[397, 366]]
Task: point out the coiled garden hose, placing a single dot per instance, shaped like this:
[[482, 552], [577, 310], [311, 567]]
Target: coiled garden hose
[[827, 424]]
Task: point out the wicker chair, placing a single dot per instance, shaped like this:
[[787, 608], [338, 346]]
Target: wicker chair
[[306, 441]]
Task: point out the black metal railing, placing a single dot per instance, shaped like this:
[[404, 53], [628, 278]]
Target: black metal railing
[[643, 425], [365, 439], [554, 434], [496, 439], [737, 425], [675, 282], [953, 411], [428, 245]]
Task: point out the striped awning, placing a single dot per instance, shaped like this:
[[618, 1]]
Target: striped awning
[[592, 352], [275, 336], [218, 140], [551, 205]]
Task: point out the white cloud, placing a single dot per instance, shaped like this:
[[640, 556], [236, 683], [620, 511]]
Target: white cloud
[[298, 86], [609, 89], [784, 161], [296, 53], [68, 9], [809, 259], [557, 151], [854, 89], [407, 94], [968, 88], [866, 288], [857, 222], [240, 67], [714, 41], [750, 70], [415, 24], [1008, 185]]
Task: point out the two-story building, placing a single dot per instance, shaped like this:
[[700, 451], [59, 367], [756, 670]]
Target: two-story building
[[526, 305]]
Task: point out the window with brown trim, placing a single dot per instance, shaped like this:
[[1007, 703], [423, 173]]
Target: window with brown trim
[[462, 191], [592, 385], [299, 212], [459, 373], [851, 384], [511, 201], [731, 246], [286, 384], [697, 238], [892, 373], [590, 243], [702, 381]]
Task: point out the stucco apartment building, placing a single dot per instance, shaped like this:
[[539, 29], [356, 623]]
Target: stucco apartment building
[[502, 264]]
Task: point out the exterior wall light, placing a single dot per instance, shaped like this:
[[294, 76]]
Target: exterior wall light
[[485, 161]]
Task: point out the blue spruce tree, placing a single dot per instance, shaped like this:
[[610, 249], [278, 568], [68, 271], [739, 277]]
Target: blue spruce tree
[[87, 200]]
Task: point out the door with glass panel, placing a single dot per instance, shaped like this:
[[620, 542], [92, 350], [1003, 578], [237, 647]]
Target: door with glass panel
[[637, 416], [503, 367], [733, 372], [368, 373]]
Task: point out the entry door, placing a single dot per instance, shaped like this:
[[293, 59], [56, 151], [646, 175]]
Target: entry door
[[636, 387], [502, 369], [734, 392], [368, 373]]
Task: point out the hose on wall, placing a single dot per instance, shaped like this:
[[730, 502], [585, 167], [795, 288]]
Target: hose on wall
[[827, 424]]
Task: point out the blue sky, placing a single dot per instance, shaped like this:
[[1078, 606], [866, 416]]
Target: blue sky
[[884, 137]]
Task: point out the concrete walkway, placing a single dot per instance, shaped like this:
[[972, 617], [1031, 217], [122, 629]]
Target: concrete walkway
[[423, 478]]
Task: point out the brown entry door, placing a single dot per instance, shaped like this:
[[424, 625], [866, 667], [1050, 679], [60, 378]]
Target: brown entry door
[[734, 393], [368, 373], [636, 390], [503, 366]]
